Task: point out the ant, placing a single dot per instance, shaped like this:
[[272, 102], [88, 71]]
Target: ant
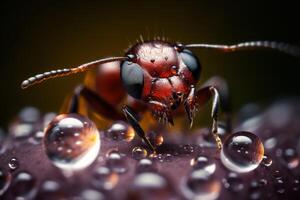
[[160, 76]]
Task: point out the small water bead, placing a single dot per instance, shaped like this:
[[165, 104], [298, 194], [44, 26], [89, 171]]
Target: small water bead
[[279, 186], [145, 165], [71, 141], [201, 186], [155, 138], [290, 158], [242, 152], [104, 178], [5, 180], [115, 162], [267, 161], [120, 131], [296, 185], [49, 190], [233, 183], [23, 185], [139, 153], [13, 164], [150, 185], [203, 163], [270, 143], [29, 115]]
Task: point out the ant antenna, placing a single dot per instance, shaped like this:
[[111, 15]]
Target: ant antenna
[[66, 72], [280, 46]]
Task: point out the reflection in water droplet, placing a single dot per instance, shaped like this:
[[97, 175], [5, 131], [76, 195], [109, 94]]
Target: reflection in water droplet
[[150, 185], [13, 164], [233, 183], [5, 180], [115, 162], [155, 138], [120, 131], [104, 178], [242, 152], [290, 158], [139, 153], [90, 194], [203, 163], [23, 185], [71, 141], [267, 161], [201, 186]]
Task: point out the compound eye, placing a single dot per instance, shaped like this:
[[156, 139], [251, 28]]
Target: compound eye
[[191, 62], [133, 78]]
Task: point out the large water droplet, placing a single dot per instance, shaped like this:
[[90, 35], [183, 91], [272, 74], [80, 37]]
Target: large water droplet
[[71, 141], [115, 162], [120, 131], [233, 183], [139, 153], [242, 152], [5, 179], [201, 186], [23, 185], [203, 163], [104, 178], [13, 163]]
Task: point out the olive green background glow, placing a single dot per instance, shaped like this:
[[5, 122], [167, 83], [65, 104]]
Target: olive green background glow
[[37, 37]]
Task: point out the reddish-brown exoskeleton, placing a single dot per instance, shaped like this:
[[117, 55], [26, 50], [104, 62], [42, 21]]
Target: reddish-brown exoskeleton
[[160, 76]]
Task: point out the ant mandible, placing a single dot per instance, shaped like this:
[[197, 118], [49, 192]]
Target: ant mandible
[[158, 74]]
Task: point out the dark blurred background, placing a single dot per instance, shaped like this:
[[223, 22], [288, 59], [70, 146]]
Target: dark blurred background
[[43, 35]]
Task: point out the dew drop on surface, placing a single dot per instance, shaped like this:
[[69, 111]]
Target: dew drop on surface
[[267, 161], [91, 194], [139, 153], [71, 141], [13, 163], [145, 165], [201, 186], [233, 183], [270, 143], [104, 178], [290, 158], [155, 138], [242, 152], [29, 115], [5, 180], [150, 185], [23, 185], [49, 190], [279, 186], [120, 131], [116, 162], [203, 163]]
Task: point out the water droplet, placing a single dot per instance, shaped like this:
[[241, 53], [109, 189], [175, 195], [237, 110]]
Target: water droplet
[[13, 164], [29, 115], [296, 185], [23, 185], [20, 130], [291, 158], [104, 178], [149, 185], [270, 143], [90, 194], [267, 161], [49, 190], [5, 180], [145, 165], [201, 186], [203, 163], [155, 138], [233, 183], [188, 149], [120, 131], [242, 152], [279, 186], [139, 153], [115, 162], [61, 141], [277, 174]]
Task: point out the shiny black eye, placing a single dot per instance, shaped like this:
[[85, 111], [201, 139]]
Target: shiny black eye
[[133, 78], [191, 62]]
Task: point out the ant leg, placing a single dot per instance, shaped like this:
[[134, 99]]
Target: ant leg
[[95, 102], [132, 119], [198, 99], [225, 102]]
